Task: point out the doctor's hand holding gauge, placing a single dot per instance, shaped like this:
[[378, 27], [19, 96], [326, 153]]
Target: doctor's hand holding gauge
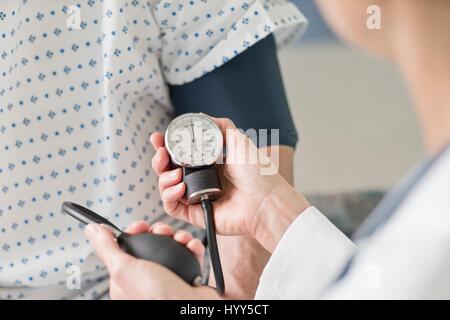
[[244, 186]]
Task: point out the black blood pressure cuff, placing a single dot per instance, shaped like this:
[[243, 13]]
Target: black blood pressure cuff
[[249, 90]]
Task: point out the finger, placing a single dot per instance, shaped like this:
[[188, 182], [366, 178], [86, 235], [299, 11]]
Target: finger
[[183, 236], [171, 196], [137, 227], [150, 227], [190, 213], [107, 249], [157, 140], [233, 138], [162, 229], [160, 161], [224, 124], [169, 178], [197, 248], [193, 244]]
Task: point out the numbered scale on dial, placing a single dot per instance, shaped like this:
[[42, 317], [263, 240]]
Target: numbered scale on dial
[[194, 140]]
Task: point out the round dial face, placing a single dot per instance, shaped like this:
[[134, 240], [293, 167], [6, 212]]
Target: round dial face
[[194, 140]]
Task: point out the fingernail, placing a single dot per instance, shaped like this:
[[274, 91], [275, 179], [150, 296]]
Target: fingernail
[[179, 231], [178, 187], [174, 173], [155, 224], [91, 230]]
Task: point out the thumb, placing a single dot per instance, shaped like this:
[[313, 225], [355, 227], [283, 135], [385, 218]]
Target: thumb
[[231, 135], [224, 124], [106, 248]]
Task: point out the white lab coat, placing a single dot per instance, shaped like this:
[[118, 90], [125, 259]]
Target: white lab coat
[[407, 258]]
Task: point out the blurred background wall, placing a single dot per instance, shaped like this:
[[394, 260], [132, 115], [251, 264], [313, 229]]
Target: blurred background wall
[[357, 129]]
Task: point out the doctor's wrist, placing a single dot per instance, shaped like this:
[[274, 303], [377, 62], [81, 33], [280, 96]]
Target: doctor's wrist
[[276, 213]]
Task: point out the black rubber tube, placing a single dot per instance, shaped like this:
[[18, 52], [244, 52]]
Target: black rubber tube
[[212, 245]]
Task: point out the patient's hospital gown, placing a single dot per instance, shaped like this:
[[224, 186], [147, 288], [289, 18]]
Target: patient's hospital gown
[[82, 86]]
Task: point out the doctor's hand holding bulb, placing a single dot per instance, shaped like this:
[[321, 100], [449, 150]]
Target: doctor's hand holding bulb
[[132, 278]]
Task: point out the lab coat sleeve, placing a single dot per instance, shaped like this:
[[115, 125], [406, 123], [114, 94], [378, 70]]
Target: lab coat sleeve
[[309, 256]]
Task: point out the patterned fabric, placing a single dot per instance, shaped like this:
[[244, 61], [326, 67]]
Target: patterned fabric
[[82, 85]]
